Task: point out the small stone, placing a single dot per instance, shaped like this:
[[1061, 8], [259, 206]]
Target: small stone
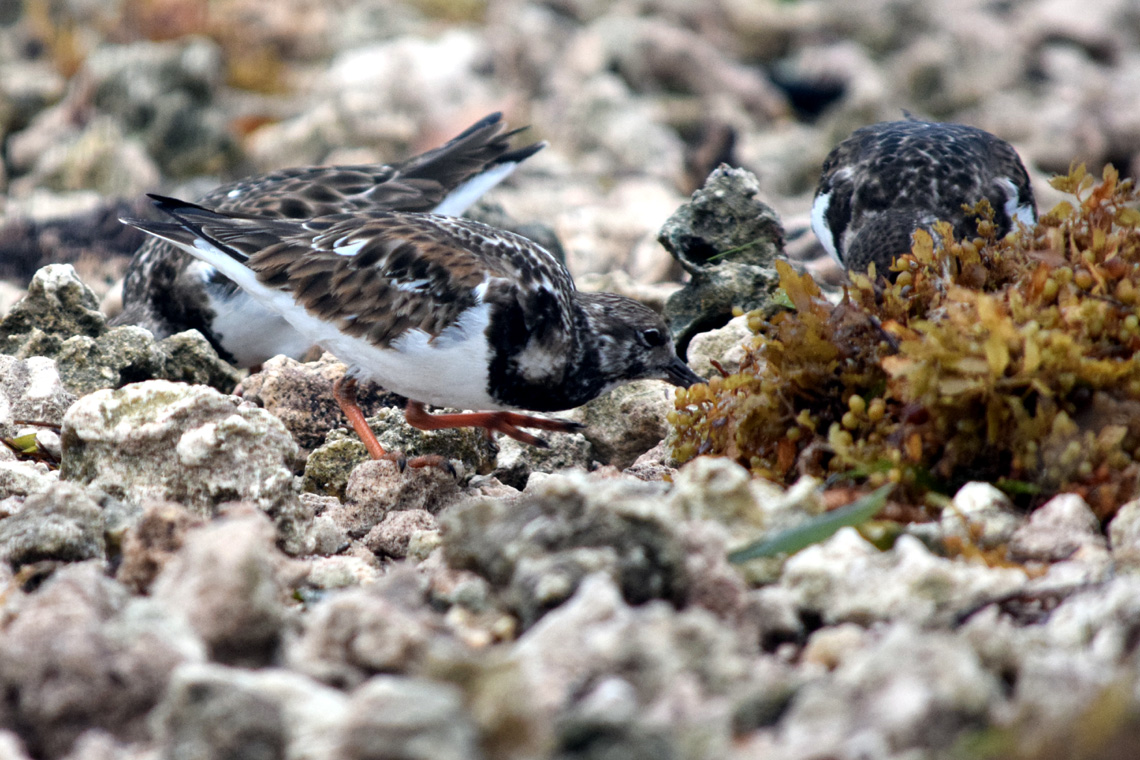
[[408, 718], [119, 356], [905, 688], [152, 542], [384, 627], [24, 478], [58, 305], [31, 389], [163, 441], [724, 345], [627, 422], [980, 514], [189, 358], [390, 537], [81, 654], [538, 547], [219, 712], [1058, 530], [224, 580], [377, 488], [59, 523], [516, 460], [326, 573], [846, 579], [727, 239], [1124, 536]]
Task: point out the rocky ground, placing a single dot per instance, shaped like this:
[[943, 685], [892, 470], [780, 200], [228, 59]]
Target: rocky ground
[[201, 564]]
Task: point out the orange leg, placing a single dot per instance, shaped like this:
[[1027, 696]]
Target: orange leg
[[344, 391], [507, 423]]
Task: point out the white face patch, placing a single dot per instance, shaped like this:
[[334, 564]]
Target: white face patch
[[537, 363], [819, 225]]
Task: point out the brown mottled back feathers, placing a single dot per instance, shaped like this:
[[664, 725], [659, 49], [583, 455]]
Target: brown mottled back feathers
[[395, 271], [160, 295]]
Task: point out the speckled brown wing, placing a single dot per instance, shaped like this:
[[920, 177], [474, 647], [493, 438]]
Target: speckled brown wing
[[160, 294], [380, 274], [417, 184]]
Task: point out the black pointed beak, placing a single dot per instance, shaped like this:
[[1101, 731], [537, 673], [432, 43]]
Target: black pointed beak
[[678, 373]]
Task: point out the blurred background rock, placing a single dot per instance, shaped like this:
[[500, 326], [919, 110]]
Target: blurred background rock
[[102, 101]]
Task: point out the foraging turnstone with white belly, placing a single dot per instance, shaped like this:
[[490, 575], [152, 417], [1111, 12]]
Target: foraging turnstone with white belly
[[441, 310], [167, 291], [887, 180]]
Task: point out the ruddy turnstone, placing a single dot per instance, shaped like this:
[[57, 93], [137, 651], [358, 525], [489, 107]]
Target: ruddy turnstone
[[441, 310], [887, 180], [167, 291]]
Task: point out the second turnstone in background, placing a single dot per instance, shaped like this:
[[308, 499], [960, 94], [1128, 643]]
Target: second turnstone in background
[[441, 310], [167, 291], [889, 179]]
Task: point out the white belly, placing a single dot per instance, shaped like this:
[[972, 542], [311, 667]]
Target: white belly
[[450, 370], [253, 333]]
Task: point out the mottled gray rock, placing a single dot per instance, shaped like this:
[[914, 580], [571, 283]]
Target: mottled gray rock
[[327, 469], [390, 537], [377, 488], [225, 582], [1124, 536], [627, 422], [163, 92], [1062, 528], [410, 719], [385, 627], [906, 688], [980, 515], [846, 579], [724, 345], [341, 571], [57, 306], [656, 465], [300, 395], [219, 712], [118, 356], [130, 354], [24, 478], [164, 441], [716, 488], [80, 654], [189, 358], [30, 389], [151, 542], [59, 523], [537, 548], [322, 535], [727, 239], [517, 460], [643, 663], [59, 318]]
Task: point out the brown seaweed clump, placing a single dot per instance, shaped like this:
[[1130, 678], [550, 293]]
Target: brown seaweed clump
[[1012, 360]]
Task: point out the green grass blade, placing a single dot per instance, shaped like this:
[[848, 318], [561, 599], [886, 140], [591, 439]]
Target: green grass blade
[[815, 530]]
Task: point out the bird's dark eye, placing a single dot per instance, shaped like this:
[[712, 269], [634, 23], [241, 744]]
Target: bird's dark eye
[[653, 337]]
